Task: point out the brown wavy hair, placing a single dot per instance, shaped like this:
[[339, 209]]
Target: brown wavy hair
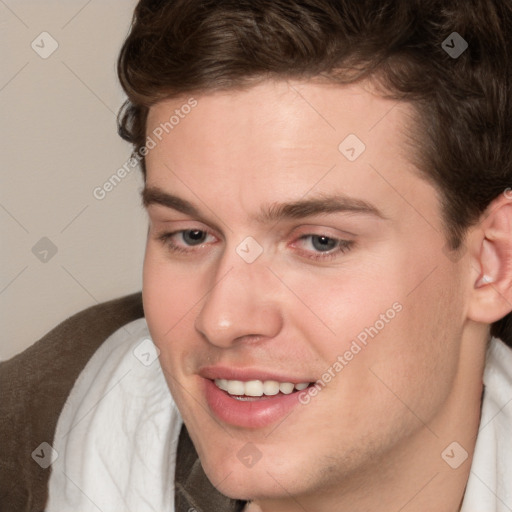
[[463, 124]]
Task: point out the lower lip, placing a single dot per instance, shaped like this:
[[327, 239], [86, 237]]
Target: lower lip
[[249, 414]]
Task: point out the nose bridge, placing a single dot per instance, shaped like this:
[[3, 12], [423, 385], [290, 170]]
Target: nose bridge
[[240, 302]]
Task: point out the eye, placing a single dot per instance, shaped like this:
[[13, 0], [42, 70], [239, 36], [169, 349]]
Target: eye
[[320, 247], [186, 239], [193, 236], [323, 243]]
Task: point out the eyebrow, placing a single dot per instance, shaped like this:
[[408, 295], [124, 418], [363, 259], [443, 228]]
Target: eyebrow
[[302, 208]]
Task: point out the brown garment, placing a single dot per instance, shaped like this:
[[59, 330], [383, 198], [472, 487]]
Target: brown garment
[[34, 386]]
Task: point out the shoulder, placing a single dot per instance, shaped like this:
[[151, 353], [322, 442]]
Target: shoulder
[[34, 386]]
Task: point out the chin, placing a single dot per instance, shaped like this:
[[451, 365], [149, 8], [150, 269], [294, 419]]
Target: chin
[[246, 485], [237, 481]]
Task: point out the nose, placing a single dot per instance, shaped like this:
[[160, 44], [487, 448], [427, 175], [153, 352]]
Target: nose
[[242, 304]]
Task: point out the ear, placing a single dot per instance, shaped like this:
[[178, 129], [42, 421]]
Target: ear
[[490, 246]]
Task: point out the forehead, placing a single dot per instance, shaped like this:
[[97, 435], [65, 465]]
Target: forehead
[[281, 140], [277, 108]]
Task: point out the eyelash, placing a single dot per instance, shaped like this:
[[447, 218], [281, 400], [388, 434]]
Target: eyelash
[[342, 246]]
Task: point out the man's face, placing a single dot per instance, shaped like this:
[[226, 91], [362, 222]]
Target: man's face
[[290, 254]]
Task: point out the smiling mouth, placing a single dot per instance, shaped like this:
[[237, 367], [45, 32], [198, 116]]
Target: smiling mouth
[[257, 389]]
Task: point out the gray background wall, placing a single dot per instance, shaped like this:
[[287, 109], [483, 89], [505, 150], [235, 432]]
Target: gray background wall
[[62, 249]]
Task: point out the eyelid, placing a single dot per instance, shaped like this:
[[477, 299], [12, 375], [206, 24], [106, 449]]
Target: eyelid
[[160, 225], [159, 214], [321, 230]]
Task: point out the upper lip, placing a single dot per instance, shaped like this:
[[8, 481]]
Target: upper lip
[[246, 374]]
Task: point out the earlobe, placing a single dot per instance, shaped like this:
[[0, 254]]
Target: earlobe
[[491, 298]]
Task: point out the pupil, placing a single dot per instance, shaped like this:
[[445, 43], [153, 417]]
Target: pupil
[[194, 237], [323, 243]]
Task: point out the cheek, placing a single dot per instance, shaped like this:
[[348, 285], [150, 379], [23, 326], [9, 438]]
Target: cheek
[[332, 309], [168, 294], [416, 356], [171, 301], [394, 337], [158, 297], [172, 298]]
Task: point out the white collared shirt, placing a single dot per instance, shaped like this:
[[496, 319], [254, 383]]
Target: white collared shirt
[[489, 487]]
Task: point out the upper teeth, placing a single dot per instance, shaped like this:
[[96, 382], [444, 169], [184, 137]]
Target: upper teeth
[[258, 387]]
